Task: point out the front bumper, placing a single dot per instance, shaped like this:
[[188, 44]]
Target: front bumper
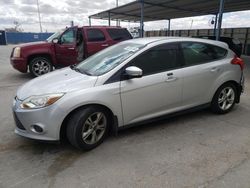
[[49, 119], [19, 64]]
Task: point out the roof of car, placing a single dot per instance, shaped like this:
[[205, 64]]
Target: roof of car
[[152, 40]]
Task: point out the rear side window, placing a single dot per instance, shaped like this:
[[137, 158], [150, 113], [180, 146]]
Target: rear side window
[[197, 53], [119, 34], [158, 59], [95, 35]]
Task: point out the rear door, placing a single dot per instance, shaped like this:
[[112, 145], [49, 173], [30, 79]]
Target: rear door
[[203, 65], [65, 49], [96, 40]]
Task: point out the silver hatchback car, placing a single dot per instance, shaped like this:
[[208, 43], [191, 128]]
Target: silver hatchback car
[[129, 83]]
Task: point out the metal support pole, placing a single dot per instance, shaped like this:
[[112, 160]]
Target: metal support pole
[[39, 16], [142, 19], [117, 22], [168, 27], [215, 23], [109, 18], [220, 19], [89, 21]]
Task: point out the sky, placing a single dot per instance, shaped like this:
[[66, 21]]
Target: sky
[[57, 14]]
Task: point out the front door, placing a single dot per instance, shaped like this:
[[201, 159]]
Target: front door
[[159, 90], [65, 49]]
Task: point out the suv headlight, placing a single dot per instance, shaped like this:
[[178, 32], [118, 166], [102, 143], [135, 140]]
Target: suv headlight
[[40, 101], [17, 52]]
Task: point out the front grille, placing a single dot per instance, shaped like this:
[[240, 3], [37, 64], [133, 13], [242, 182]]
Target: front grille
[[17, 121]]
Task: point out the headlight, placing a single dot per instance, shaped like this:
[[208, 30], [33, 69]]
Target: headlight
[[17, 52], [41, 101]]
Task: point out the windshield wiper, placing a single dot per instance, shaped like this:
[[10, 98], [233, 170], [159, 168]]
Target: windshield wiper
[[84, 72], [73, 67]]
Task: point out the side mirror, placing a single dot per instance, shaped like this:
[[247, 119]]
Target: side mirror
[[55, 40], [133, 72]]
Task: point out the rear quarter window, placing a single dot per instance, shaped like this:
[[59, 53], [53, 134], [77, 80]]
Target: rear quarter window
[[196, 53], [219, 52], [119, 34]]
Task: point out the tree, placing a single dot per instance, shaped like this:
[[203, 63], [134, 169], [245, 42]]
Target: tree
[[16, 28]]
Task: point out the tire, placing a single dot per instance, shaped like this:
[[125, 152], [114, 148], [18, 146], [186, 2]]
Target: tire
[[84, 121], [224, 99], [39, 66]]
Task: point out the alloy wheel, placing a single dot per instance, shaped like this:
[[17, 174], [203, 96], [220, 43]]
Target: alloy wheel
[[94, 128], [41, 67], [226, 98]]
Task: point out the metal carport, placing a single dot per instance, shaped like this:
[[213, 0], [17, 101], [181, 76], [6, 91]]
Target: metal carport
[[152, 10]]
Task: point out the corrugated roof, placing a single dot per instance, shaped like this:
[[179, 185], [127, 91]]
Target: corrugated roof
[[170, 9]]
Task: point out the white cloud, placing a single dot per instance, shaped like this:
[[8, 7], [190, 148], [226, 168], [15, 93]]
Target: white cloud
[[57, 14]]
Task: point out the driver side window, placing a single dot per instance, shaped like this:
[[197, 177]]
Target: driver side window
[[158, 59], [68, 37]]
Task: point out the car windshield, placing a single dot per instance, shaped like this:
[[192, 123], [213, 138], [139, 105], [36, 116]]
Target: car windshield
[[105, 60], [55, 35]]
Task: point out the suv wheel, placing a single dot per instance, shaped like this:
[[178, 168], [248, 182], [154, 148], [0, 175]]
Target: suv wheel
[[39, 66], [224, 99], [88, 127]]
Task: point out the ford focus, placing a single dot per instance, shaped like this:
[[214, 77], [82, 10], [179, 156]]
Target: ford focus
[[130, 83]]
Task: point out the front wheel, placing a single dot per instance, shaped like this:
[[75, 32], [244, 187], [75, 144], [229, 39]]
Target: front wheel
[[39, 66], [88, 127], [224, 99]]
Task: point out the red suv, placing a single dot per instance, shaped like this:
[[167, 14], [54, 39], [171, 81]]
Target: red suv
[[65, 48]]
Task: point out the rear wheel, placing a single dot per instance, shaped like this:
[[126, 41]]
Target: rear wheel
[[88, 127], [224, 99], [39, 66]]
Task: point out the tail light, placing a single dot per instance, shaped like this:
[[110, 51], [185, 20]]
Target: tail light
[[238, 61]]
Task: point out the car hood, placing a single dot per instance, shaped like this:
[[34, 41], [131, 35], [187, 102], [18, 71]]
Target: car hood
[[30, 44], [60, 81]]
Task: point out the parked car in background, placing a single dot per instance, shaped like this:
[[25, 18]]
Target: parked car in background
[[233, 43], [65, 48], [129, 83]]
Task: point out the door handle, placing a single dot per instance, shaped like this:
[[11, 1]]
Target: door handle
[[215, 69], [171, 79], [71, 48], [105, 45]]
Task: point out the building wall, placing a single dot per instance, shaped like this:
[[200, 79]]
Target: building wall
[[16, 37], [2, 37], [243, 34]]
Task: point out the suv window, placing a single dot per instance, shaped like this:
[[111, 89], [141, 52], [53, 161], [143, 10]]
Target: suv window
[[68, 37], [197, 53], [236, 41], [119, 34], [95, 35], [158, 59]]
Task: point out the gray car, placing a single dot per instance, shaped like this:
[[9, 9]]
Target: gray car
[[127, 84]]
